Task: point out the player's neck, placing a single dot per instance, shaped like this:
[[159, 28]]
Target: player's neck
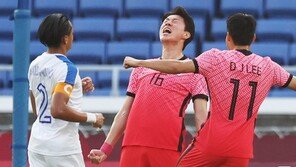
[[171, 52], [59, 50], [245, 47]]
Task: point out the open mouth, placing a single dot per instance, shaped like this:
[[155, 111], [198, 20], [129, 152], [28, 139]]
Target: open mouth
[[166, 31]]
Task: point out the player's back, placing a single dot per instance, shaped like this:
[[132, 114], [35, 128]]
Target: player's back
[[238, 83], [48, 134]]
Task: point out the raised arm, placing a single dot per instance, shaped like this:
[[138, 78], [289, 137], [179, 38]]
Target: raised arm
[[292, 84], [165, 66]]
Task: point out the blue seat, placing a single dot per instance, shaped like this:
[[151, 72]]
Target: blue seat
[[210, 45], [104, 79], [3, 79], [218, 29], [292, 56], [200, 29], [6, 28], [7, 7], [87, 52], [9, 79], [146, 8], [35, 23], [137, 29], [94, 29], [156, 49], [46, 7], [101, 8], [124, 79], [280, 9], [6, 53], [36, 49], [281, 30], [254, 7], [278, 52], [201, 8], [116, 51]]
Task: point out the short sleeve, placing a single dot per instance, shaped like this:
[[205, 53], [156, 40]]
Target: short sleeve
[[133, 82], [199, 88], [67, 73], [206, 61], [281, 77]]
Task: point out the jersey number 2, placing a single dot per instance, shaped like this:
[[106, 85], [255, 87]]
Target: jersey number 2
[[43, 116], [234, 97]]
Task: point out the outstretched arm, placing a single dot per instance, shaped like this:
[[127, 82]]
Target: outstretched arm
[[292, 84], [118, 126], [165, 66]]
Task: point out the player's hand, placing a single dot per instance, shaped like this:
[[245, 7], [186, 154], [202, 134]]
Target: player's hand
[[130, 62], [87, 85], [96, 156], [99, 121]]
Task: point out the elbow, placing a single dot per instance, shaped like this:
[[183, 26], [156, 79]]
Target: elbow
[[56, 112]]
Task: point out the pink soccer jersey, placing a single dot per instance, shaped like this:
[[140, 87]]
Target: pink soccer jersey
[[156, 118], [238, 82]]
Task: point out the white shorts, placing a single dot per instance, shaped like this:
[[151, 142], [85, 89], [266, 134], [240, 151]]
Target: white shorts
[[39, 160]]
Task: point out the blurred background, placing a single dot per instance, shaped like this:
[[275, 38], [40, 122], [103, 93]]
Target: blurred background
[[105, 31]]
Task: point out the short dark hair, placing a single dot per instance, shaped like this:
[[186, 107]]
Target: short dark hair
[[52, 28], [241, 28], [189, 23]]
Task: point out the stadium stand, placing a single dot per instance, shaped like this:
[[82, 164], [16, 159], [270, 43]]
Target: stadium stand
[[7, 7], [280, 9], [6, 29], [292, 56], [209, 45], [146, 8], [35, 22], [116, 51], [134, 29], [87, 52], [276, 51], [6, 52], [218, 29], [36, 49], [45, 7], [254, 7], [86, 29], [101, 8], [273, 30]]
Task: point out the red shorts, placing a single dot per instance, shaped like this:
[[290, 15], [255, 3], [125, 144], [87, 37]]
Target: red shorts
[[192, 156], [139, 156]]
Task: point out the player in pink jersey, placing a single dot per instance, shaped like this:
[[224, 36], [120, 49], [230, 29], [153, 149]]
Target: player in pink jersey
[[238, 82], [152, 117]]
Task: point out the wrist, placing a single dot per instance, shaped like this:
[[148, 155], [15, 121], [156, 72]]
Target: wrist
[[106, 148], [91, 117]]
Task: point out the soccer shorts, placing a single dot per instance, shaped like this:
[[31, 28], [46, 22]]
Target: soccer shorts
[[39, 160], [193, 156], [139, 156]]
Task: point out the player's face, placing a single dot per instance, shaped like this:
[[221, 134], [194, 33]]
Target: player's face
[[172, 29]]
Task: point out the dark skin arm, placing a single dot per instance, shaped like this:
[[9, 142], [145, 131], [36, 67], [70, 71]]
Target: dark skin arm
[[33, 104]]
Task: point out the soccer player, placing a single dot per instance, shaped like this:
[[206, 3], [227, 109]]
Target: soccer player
[[152, 117], [238, 82], [56, 96]]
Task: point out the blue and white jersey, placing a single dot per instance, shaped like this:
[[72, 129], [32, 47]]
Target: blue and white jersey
[[50, 136]]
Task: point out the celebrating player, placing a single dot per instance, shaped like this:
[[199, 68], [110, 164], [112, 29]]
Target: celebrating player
[[152, 117], [239, 81]]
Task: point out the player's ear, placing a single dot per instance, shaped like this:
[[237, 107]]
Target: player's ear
[[186, 35], [254, 38], [65, 39]]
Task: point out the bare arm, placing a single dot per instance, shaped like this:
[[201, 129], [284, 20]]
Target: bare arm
[[33, 104], [292, 84], [201, 113], [60, 110], [118, 126], [165, 66], [119, 123]]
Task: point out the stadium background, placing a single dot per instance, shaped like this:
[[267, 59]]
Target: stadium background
[[105, 31]]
